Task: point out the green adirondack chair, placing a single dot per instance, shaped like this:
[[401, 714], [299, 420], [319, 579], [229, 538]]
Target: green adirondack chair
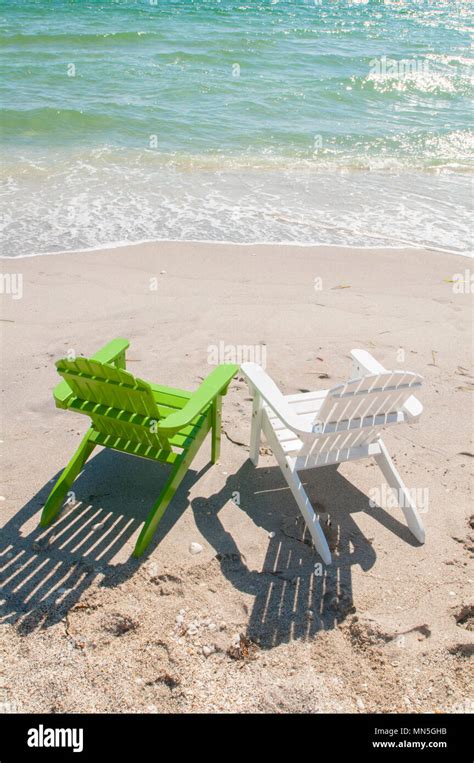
[[160, 423]]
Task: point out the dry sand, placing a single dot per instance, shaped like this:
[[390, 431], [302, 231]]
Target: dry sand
[[388, 627]]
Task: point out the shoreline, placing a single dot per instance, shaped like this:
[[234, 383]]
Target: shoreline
[[125, 245]]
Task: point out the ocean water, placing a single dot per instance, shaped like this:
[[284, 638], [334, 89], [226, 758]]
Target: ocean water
[[330, 122]]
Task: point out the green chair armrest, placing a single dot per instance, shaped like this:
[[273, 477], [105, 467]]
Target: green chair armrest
[[62, 392], [213, 385], [112, 352]]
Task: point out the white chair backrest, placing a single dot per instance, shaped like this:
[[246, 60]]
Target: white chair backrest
[[353, 413], [372, 395]]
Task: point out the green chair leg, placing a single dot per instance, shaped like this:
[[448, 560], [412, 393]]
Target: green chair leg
[[177, 475], [58, 494], [216, 428]]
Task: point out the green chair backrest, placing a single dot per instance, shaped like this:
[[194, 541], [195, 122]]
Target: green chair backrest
[[118, 404]]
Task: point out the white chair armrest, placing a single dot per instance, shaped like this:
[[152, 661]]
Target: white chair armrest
[[363, 363], [260, 383], [413, 408]]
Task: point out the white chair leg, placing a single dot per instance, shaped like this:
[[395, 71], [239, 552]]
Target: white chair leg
[[304, 504], [405, 502], [256, 428]]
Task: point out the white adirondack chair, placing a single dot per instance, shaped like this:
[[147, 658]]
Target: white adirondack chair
[[331, 426]]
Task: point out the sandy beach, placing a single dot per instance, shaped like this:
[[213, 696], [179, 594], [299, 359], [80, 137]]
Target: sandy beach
[[245, 625]]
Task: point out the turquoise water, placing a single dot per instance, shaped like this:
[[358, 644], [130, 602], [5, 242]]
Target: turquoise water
[[333, 122]]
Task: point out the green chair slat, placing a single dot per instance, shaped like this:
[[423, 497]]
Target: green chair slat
[[134, 449], [169, 396]]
